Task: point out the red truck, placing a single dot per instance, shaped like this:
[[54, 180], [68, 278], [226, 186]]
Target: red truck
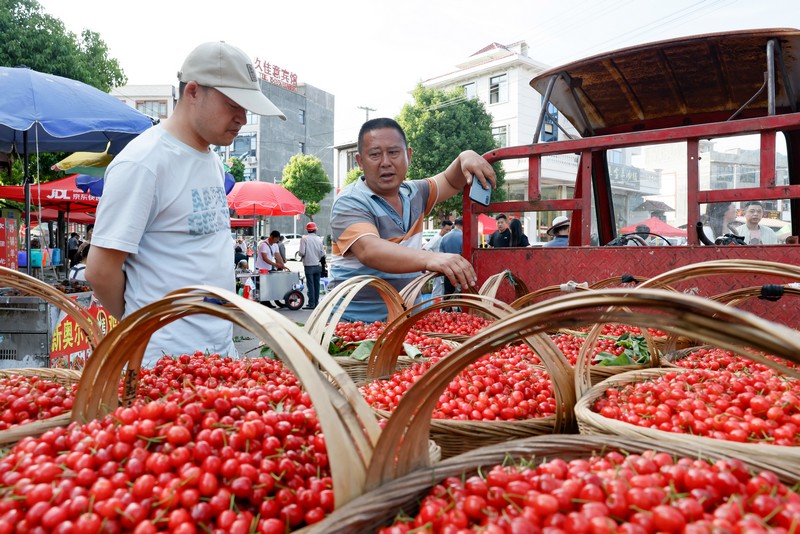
[[715, 119]]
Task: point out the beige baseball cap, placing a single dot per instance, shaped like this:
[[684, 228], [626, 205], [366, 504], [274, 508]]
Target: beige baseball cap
[[230, 71]]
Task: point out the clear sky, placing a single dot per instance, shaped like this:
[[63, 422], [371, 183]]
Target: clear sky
[[371, 53]]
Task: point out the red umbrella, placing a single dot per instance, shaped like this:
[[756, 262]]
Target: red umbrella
[[486, 224], [657, 226], [263, 198], [62, 195]]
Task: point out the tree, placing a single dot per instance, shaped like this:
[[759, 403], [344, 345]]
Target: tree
[[305, 177], [439, 125], [352, 175], [40, 41], [236, 169], [31, 37]]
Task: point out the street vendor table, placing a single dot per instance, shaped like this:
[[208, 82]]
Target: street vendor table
[[285, 288], [35, 333]]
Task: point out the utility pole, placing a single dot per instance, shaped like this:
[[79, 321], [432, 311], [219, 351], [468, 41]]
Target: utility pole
[[367, 110]]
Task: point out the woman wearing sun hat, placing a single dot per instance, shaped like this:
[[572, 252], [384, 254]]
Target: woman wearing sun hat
[[559, 231]]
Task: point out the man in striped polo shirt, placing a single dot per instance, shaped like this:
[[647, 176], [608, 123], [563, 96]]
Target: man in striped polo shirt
[[377, 221]]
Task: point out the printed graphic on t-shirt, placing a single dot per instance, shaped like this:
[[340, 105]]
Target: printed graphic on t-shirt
[[210, 211]]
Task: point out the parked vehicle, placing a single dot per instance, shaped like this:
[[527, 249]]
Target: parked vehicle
[[682, 100]]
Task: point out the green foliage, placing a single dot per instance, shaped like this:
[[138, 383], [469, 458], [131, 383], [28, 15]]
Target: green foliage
[[305, 177], [40, 41], [636, 351], [236, 169], [312, 208], [352, 175], [439, 126]]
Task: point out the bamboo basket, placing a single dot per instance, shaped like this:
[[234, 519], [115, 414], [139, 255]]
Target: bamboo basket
[[668, 310], [455, 436], [323, 320], [717, 325], [626, 280], [379, 507], [35, 287], [66, 377], [717, 268], [350, 427], [738, 296]]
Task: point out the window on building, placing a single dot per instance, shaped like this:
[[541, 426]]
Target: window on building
[[301, 116], [500, 134], [301, 146], [252, 118], [470, 90], [498, 89], [244, 146], [154, 108], [351, 160]]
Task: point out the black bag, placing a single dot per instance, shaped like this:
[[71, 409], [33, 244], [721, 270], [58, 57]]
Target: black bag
[[324, 263]]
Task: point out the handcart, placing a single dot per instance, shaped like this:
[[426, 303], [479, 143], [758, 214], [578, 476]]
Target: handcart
[[285, 288]]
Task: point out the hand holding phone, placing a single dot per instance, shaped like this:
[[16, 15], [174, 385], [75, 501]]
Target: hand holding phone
[[478, 193]]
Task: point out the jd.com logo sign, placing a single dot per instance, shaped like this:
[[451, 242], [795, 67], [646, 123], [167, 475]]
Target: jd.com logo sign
[[58, 194]]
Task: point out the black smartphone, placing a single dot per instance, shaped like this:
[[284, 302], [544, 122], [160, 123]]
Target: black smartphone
[[479, 194]]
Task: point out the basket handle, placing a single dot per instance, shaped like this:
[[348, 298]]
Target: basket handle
[[321, 325], [493, 283]]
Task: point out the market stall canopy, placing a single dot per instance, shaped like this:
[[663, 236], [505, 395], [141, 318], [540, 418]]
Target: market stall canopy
[[50, 214], [688, 80], [242, 223], [657, 226], [62, 195]]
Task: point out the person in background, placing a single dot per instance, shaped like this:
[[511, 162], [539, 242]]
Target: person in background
[[718, 220], [452, 243], [753, 232], [78, 271], [73, 243], [282, 248], [518, 237], [433, 246], [433, 243], [89, 232], [312, 250], [559, 231], [376, 222], [239, 251], [502, 236], [163, 221]]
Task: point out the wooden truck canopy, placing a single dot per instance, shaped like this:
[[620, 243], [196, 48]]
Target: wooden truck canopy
[[679, 82]]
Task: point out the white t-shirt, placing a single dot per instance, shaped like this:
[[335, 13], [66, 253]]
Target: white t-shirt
[[263, 247], [164, 204]]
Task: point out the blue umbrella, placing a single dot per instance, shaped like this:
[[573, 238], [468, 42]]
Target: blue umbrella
[[48, 113], [94, 184]]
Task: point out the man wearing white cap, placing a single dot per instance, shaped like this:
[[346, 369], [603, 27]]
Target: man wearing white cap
[[163, 223], [559, 231]]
